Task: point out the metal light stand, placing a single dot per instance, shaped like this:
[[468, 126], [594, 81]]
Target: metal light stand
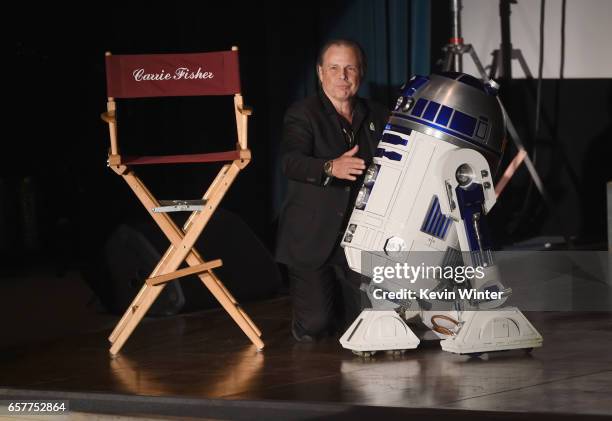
[[502, 58], [455, 49], [453, 61]]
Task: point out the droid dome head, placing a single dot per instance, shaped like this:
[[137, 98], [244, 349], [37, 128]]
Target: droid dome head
[[456, 108]]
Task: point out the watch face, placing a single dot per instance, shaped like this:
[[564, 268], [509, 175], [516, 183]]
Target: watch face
[[327, 168]]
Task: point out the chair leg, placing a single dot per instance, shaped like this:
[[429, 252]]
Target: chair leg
[[148, 298], [193, 259], [127, 315], [136, 302], [232, 309], [233, 300]]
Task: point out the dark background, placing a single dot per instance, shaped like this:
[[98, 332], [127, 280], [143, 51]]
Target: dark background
[[59, 202]]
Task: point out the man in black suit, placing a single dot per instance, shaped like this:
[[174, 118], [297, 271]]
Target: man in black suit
[[328, 140]]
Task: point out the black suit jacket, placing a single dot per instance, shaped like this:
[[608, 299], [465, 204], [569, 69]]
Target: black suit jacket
[[313, 214]]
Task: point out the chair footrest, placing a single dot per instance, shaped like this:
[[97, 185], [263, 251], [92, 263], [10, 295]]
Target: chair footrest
[[162, 279], [180, 205]]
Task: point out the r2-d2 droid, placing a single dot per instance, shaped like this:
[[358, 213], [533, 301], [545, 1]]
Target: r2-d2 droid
[[424, 203]]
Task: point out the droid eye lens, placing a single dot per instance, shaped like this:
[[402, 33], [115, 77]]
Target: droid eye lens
[[464, 175], [408, 104], [399, 102]]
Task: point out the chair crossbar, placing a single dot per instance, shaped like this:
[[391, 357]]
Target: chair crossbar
[[182, 159], [162, 279]]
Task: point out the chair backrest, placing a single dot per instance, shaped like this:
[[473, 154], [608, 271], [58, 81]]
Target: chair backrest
[[162, 75], [156, 75]]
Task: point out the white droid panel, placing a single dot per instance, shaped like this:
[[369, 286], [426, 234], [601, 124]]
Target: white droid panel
[[383, 190]]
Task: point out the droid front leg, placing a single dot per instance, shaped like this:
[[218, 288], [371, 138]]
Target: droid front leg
[[484, 326]]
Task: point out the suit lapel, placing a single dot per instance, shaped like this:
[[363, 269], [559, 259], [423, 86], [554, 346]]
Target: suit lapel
[[339, 144], [360, 122]]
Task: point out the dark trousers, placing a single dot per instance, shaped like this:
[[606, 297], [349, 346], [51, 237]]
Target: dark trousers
[[325, 300]]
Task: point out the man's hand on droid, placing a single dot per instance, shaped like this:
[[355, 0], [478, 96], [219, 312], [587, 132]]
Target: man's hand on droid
[[346, 166]]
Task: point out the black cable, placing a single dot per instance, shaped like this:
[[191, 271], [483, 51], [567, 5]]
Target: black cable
[[555, 134], [540, 70], [538, 106]]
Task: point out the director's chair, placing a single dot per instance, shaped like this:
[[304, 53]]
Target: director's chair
[[161, 75]]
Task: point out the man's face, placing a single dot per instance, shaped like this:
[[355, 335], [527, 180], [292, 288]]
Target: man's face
[[340, 74]]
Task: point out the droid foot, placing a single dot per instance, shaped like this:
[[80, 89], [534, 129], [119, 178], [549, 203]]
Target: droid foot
[[497, 330], [376, 330]]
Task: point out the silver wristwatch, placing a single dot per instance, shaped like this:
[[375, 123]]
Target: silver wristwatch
[[328, 167]]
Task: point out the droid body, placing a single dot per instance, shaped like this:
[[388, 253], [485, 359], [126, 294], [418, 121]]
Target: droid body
[[423, 204]]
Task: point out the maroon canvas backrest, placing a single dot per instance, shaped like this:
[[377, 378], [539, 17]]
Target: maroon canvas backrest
[[158, 75]]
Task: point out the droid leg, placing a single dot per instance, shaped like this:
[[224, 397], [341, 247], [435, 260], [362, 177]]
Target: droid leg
[[484, 326]]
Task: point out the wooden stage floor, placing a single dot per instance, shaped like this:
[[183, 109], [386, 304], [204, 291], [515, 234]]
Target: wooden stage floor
[[204, 356]]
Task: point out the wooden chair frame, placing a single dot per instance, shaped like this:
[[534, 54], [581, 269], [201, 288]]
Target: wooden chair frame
[[182, 239]]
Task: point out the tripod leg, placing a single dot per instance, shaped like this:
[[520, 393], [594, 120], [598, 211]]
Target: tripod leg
[[517, 54], [446, 66], [477, 62], [494, 64]]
